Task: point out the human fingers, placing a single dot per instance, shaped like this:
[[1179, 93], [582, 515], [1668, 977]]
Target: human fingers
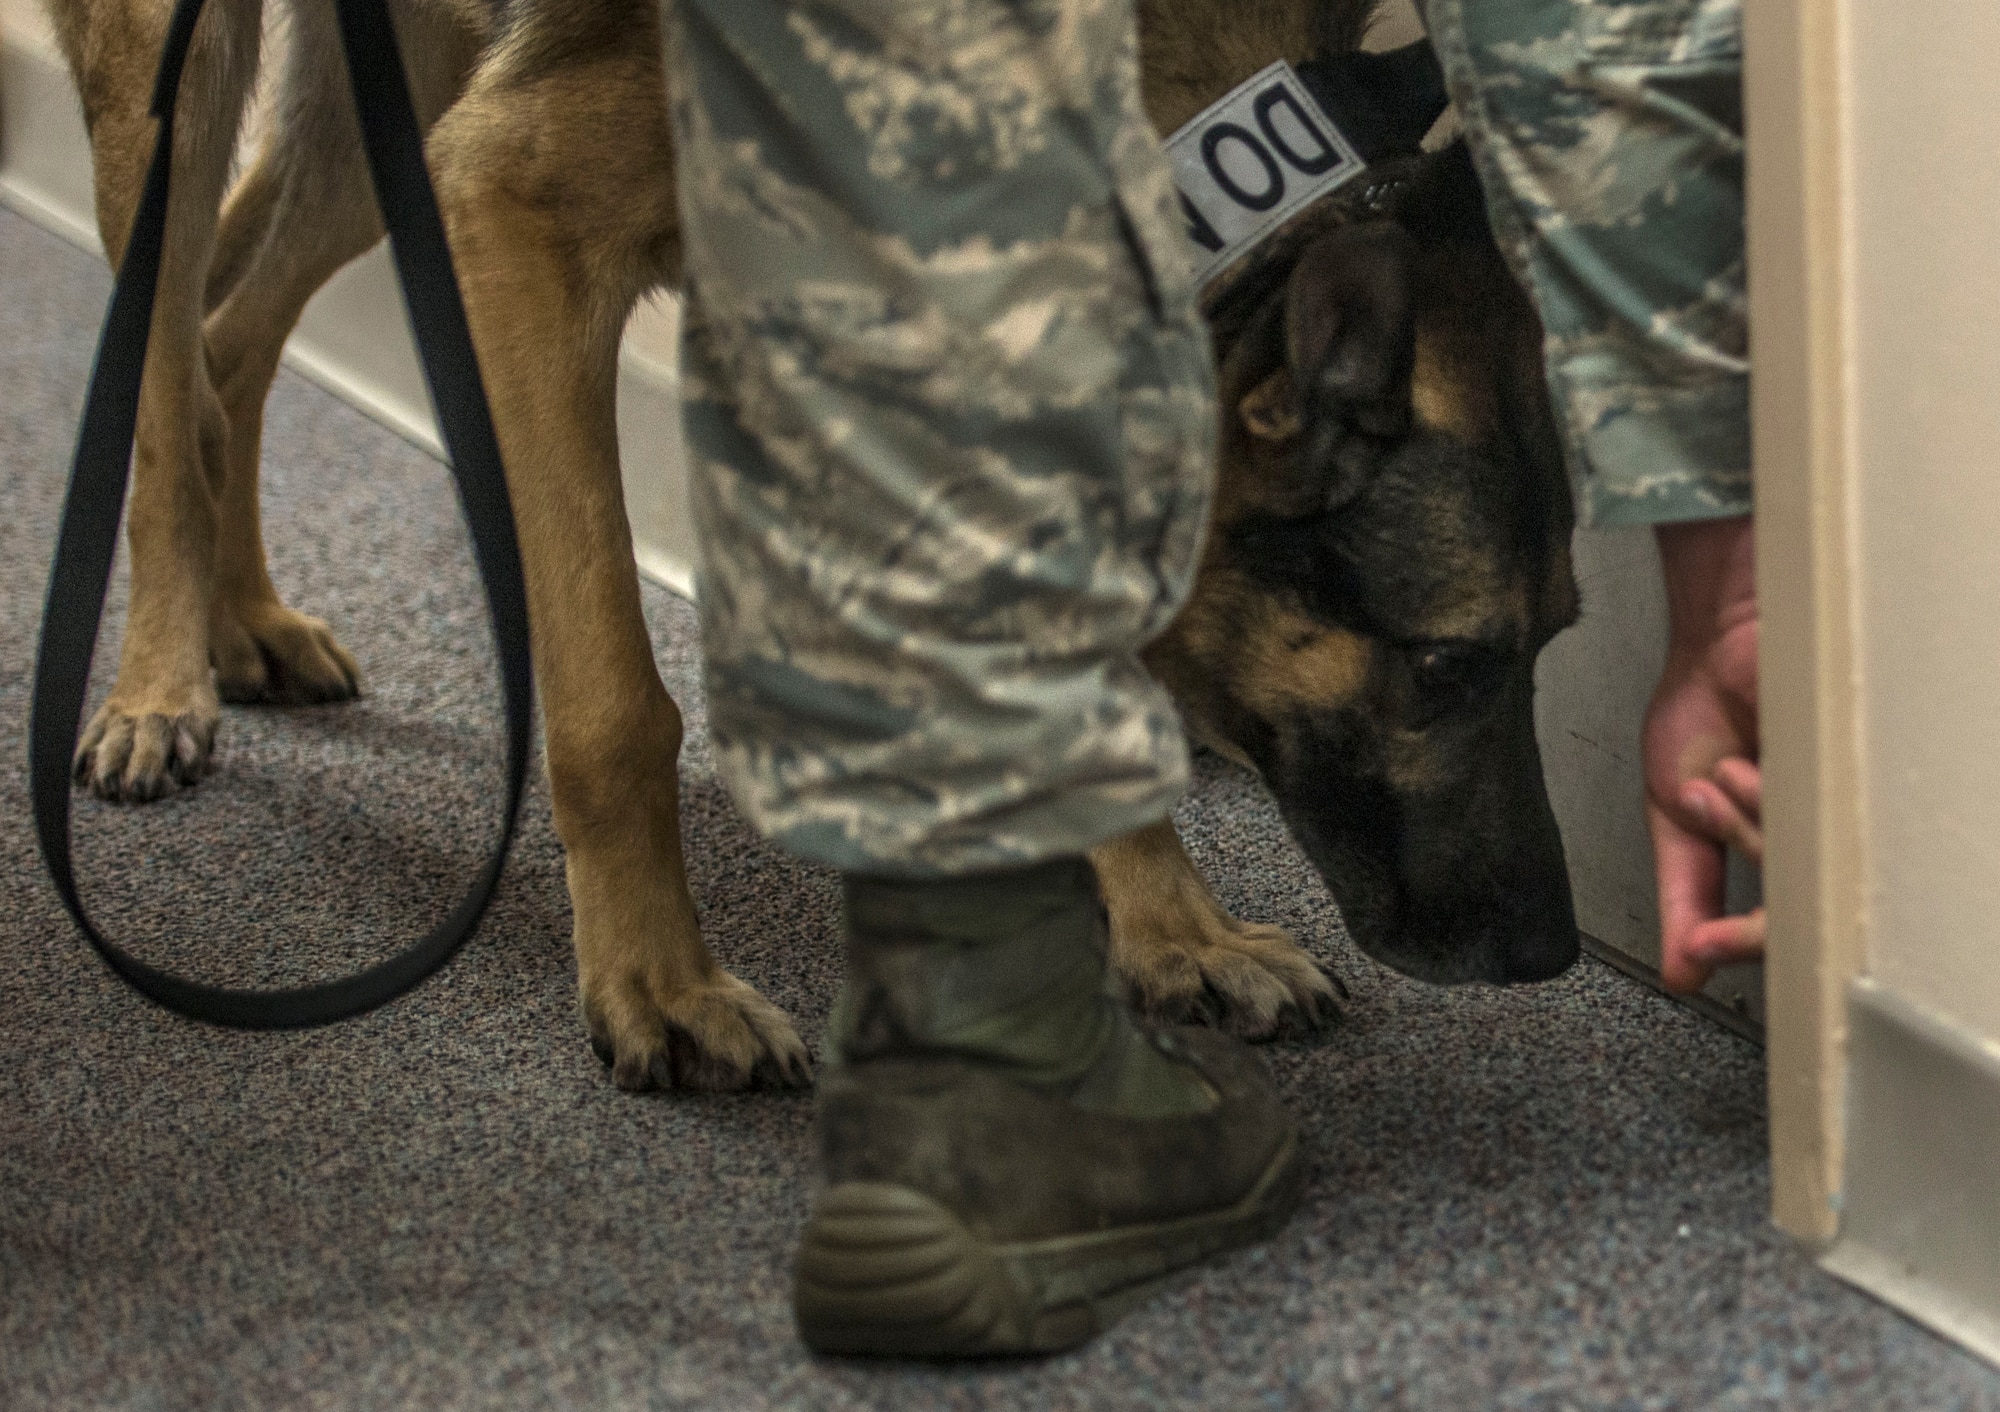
[[1743, 781], [1689, 870], [1728, 940], [1722, 819]]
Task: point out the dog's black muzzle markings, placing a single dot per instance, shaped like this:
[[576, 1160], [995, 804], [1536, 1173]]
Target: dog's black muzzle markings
[[1432, 540], [1465, 881]]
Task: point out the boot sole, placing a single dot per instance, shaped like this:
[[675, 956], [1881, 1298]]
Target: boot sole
[[888, 1271]]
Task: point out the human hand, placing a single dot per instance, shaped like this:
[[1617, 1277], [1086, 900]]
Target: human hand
[[1704, 792]]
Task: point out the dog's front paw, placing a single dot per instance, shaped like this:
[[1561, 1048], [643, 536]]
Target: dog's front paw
[[266, 653], [1204, 965], [715, 1036], [138, 750], [1181, 957]]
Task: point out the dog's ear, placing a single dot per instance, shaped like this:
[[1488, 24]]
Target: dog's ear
[[1350, 341], [1270, 410]]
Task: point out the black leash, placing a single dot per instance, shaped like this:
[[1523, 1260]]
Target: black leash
[[82, 567], [1383, 102]]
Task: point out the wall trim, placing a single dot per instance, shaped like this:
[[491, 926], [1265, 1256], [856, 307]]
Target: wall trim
[[1740, 1012], [1920, 1209], [1800, 415], [354, 338]]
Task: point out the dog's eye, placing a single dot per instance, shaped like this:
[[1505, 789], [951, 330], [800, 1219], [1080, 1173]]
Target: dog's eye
[[1445, 676]]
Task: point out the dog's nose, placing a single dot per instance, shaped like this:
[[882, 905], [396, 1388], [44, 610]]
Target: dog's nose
[[1538, 941]]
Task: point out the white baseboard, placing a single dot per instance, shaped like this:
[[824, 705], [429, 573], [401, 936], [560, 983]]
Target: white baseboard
[[354, 338], [1920, 1207], [41, 137]]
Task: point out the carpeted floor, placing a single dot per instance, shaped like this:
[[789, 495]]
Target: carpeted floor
[[1543, 1198]]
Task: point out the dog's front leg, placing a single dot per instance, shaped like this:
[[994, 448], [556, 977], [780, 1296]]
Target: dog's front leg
[[556, 187], [1182, 957], [157, 728]]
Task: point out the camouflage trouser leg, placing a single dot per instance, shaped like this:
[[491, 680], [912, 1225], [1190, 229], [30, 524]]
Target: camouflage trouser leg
[[950, 418], [1609, 137]]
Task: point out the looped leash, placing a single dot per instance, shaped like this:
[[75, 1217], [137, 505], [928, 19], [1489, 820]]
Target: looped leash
[[81, 570], [1382, 103]]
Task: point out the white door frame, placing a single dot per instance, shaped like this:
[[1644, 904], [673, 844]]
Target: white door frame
[[1873, 310], [1805, 584]]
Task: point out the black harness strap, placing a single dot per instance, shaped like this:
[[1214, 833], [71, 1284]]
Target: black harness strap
[[82, 567], [1383, 103]]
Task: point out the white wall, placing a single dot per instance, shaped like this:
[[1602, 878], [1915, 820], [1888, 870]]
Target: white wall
[[1925, 240], [1919, 1206], [352, 338], [24, 22]]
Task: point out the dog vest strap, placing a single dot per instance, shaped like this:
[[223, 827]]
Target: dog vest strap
[[1384, 103], [1286, 138], [88, 536]]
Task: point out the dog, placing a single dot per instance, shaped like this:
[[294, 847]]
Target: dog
[[1389, 549]]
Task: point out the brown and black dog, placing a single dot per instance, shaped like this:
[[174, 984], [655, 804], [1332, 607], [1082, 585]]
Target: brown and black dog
[[1389, 553]]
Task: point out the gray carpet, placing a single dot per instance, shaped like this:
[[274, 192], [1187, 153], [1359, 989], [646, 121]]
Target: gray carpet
[[1541, 1198]]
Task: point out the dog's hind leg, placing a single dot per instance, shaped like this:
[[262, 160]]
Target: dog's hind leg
[[555, 176], [303, 209], [157, 728], [1182, 957]]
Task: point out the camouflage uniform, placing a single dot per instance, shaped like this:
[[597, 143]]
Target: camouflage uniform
[[950, 416], [1609, 139]]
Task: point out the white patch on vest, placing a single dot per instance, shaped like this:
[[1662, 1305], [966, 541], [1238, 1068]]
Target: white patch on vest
[[1251, 160]]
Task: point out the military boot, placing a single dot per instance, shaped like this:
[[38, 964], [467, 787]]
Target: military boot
[[1011, 1158]]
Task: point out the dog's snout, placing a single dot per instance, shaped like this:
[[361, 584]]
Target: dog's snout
[[1486, 949], [1538, 955], [1536, 939], [1516, 929]]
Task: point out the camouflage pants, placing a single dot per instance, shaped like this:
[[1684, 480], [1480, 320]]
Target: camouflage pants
[[1609, 138], [950, 419]]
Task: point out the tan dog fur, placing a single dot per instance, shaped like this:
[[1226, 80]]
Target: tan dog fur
[[553, 162]]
